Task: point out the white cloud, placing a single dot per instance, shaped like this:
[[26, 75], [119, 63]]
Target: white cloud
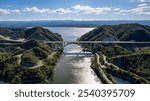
[[143, 0], [15, 11], [140, 9], [4, 11], [36, 10], [142, 5], [74, 9], [90, 10], [139, 1], [9, 11], [61, 11], [44, 10], [143, 8], [117, 9]]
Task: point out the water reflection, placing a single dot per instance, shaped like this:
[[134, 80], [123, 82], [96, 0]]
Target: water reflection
[[72, 69]]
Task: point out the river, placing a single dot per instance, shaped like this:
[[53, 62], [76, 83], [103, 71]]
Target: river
[[73, 69]]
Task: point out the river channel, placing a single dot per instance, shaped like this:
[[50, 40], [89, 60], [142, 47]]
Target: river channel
[[73, 69]]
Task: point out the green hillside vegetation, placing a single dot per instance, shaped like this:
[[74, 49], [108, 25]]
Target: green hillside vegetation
[[113, 50], [44, 34], [5, 31], [12, 32], [16, 51], [136, 63], [32, 56], [37, 33], [3, 56], [144, 50], [9, 62], [29, 59], [13, 72], [32, 61], [41, 54], [121, 32], [35, 43], [133, 59]]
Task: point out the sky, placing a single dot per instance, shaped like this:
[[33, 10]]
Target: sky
[[26, 10]]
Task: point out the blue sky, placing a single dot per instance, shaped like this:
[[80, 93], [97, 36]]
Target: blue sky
[[24, 10]]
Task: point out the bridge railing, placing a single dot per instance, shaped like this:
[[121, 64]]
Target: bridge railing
[[138, 42]]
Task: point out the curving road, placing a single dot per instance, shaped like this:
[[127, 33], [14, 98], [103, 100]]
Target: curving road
[[103, 75]]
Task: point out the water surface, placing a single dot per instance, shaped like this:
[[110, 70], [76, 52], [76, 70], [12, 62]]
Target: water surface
[[72, 69]]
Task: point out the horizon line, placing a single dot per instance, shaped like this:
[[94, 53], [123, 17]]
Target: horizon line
[[78, 20]]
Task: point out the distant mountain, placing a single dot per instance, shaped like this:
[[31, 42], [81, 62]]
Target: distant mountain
[[68, 23], [122, 32]]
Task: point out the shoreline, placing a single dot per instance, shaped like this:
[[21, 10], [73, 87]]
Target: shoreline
[[115, 70]]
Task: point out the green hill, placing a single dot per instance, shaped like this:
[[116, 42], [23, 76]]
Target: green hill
[[32, 61], [122, 32], [40, 33], [133, 58], [136, 63], [36, 33], [14, 33]]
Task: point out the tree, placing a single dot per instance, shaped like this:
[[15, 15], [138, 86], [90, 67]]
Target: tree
[[16, 80]]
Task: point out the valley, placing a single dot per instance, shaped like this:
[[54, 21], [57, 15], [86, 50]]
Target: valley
[[25, 57]]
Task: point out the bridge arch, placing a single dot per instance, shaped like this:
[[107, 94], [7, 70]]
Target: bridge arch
[[69, 43], [85, 50]]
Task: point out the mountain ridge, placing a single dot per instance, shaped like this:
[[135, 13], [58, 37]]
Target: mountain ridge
[[122, 32]]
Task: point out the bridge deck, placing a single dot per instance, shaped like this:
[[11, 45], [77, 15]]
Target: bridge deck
[[77, 42], [79, 54], [96, 42]]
